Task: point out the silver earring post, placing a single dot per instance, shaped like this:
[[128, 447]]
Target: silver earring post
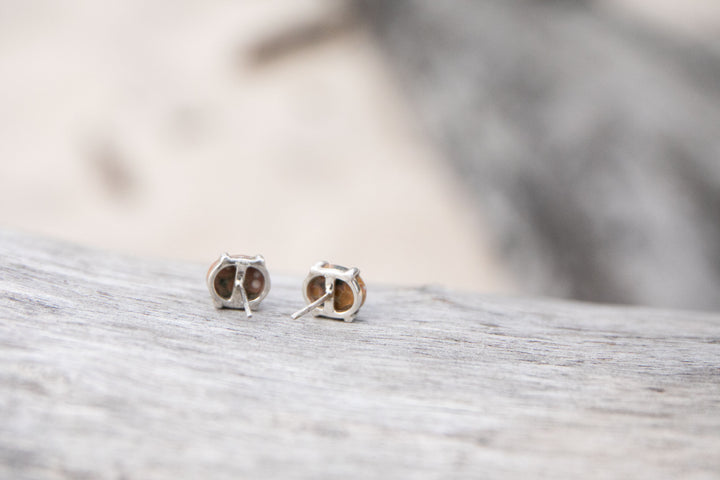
[[328, 293], [239, 278]]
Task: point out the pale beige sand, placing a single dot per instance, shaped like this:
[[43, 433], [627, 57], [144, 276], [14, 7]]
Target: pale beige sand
[[147, 128]]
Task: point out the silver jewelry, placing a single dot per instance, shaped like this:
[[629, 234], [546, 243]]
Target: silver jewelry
[[238, 281], [333, 291]]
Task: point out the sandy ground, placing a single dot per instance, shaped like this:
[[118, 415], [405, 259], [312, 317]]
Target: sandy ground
[[158, 129], [184, 129]]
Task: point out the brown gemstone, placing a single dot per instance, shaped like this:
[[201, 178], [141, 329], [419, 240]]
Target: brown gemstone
[[316, 288], [225, 282], [343, 297], [254, 282], [363, 289]]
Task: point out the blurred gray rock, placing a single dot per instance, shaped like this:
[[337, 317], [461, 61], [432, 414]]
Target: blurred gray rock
[[593, 146]]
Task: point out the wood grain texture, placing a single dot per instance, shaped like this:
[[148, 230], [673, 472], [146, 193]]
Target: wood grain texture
[[113, 367]]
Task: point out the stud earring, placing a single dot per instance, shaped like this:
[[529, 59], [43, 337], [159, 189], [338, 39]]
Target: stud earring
[[333, 291], [238, 281]]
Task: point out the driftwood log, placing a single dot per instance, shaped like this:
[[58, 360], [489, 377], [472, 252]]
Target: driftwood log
[[592, 144], [120, 368]]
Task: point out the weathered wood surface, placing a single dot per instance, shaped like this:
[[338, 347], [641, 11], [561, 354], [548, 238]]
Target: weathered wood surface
[[114, 367]]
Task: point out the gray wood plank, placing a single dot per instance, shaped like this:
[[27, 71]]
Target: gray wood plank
[[116, 367]]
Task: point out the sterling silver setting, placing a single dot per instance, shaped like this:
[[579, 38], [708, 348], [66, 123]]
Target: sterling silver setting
[[238, 281], [327, 291]]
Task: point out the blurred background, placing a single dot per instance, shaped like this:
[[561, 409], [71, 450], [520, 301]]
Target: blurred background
[[545, 147]]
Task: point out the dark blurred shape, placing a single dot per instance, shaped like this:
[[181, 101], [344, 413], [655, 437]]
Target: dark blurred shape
[[593, 145], [305, 34], [112, 170]]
